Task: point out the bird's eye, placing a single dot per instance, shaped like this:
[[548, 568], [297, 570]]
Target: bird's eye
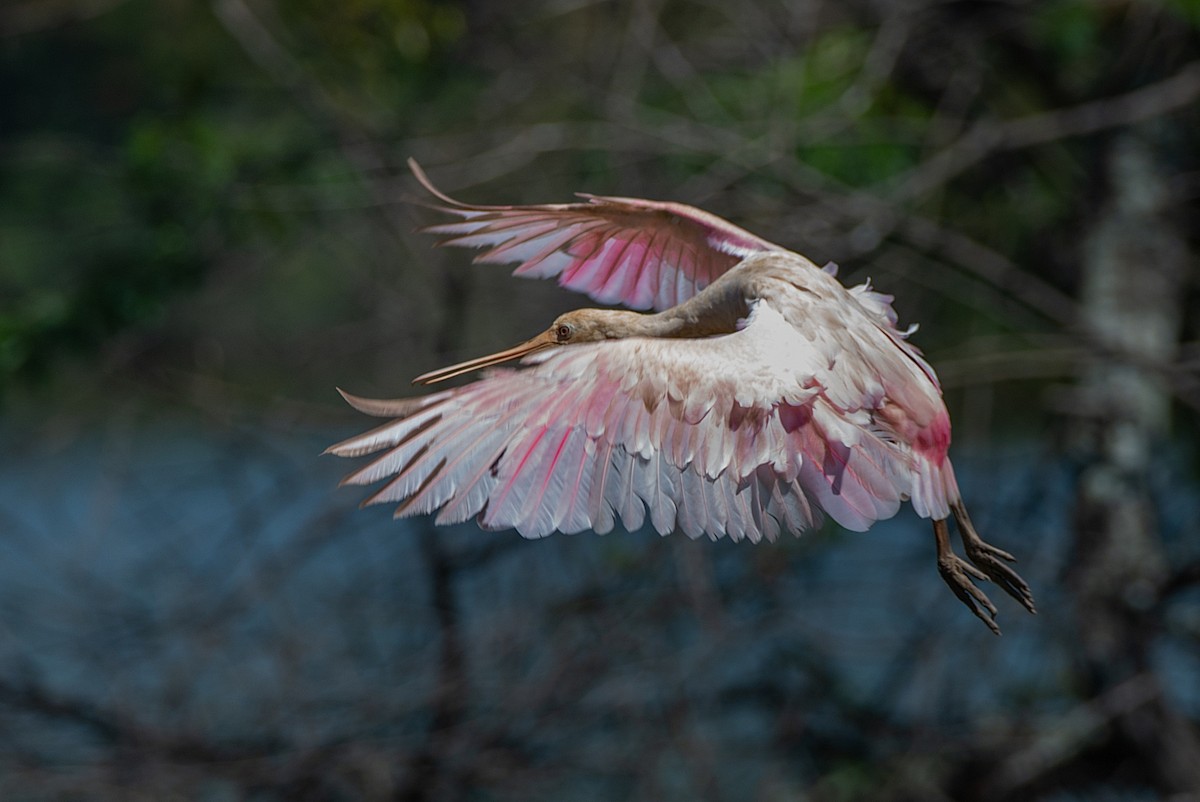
[[563, 332]]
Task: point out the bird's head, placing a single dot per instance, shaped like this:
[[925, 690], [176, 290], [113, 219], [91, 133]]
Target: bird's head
[[592, 325], [578, 326]]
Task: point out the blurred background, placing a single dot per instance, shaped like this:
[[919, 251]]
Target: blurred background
[[205, 227]]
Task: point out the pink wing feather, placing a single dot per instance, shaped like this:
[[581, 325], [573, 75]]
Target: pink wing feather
[[640, 428], [638, 253]]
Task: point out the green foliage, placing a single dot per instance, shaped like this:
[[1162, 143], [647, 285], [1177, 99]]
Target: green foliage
[[1187, 9], [801, 84], [163, 162], [120, 198], [1070, 31]]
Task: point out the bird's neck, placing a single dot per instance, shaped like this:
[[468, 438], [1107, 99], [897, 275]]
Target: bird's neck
[[716, 310], [677, 322]]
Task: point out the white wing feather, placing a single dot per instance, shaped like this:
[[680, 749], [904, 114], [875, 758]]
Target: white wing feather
[[640, 253], [641, 429]]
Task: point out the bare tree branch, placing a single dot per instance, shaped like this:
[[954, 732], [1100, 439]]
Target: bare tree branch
[[120, 730], [1180, 580], [360, 149], [1070, 734], [988, 137]]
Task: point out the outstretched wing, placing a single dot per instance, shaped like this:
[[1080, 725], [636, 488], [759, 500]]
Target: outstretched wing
[[638, 253], [728, 435]]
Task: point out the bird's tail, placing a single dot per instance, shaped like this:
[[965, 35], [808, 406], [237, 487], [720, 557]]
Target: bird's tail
[[934, 488]]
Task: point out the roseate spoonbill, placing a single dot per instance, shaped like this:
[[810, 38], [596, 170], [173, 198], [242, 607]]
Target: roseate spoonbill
[[760, 394]]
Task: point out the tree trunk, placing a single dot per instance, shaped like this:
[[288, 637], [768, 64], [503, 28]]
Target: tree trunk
[[1135, 266]]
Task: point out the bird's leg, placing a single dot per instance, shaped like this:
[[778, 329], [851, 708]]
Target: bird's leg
[[957, 573], [987, 558]]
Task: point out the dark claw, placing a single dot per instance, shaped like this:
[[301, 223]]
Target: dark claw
[[985, 557], [954, 571], [988, 559]]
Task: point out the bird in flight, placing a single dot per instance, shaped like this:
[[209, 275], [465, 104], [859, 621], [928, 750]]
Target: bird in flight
[[758, 396]]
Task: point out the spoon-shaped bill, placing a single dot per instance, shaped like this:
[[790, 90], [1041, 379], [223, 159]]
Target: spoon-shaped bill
[[543, 340]]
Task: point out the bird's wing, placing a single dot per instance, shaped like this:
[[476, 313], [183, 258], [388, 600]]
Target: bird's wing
[[638, 253], [727, 435]]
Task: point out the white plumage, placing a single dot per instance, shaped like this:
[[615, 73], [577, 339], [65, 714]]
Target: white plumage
[[762, 394]]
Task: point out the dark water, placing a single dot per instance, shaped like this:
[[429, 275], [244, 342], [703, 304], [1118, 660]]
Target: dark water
[[213, 581]]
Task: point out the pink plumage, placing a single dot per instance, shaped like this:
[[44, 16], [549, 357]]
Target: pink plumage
[[761, 396], [637, 253]]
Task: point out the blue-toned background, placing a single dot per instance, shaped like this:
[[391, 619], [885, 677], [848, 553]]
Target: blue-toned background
[[204, 229]]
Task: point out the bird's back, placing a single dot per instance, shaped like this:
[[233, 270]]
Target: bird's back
[[862, 362]]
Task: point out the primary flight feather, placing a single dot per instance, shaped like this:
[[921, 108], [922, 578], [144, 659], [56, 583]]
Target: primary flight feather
[[759, 396]]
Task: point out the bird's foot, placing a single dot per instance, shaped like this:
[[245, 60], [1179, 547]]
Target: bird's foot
[[987, 558], [991, 560], [957, 573]]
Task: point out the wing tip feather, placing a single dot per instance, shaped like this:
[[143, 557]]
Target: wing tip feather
[[419, 173], [385, 407]]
